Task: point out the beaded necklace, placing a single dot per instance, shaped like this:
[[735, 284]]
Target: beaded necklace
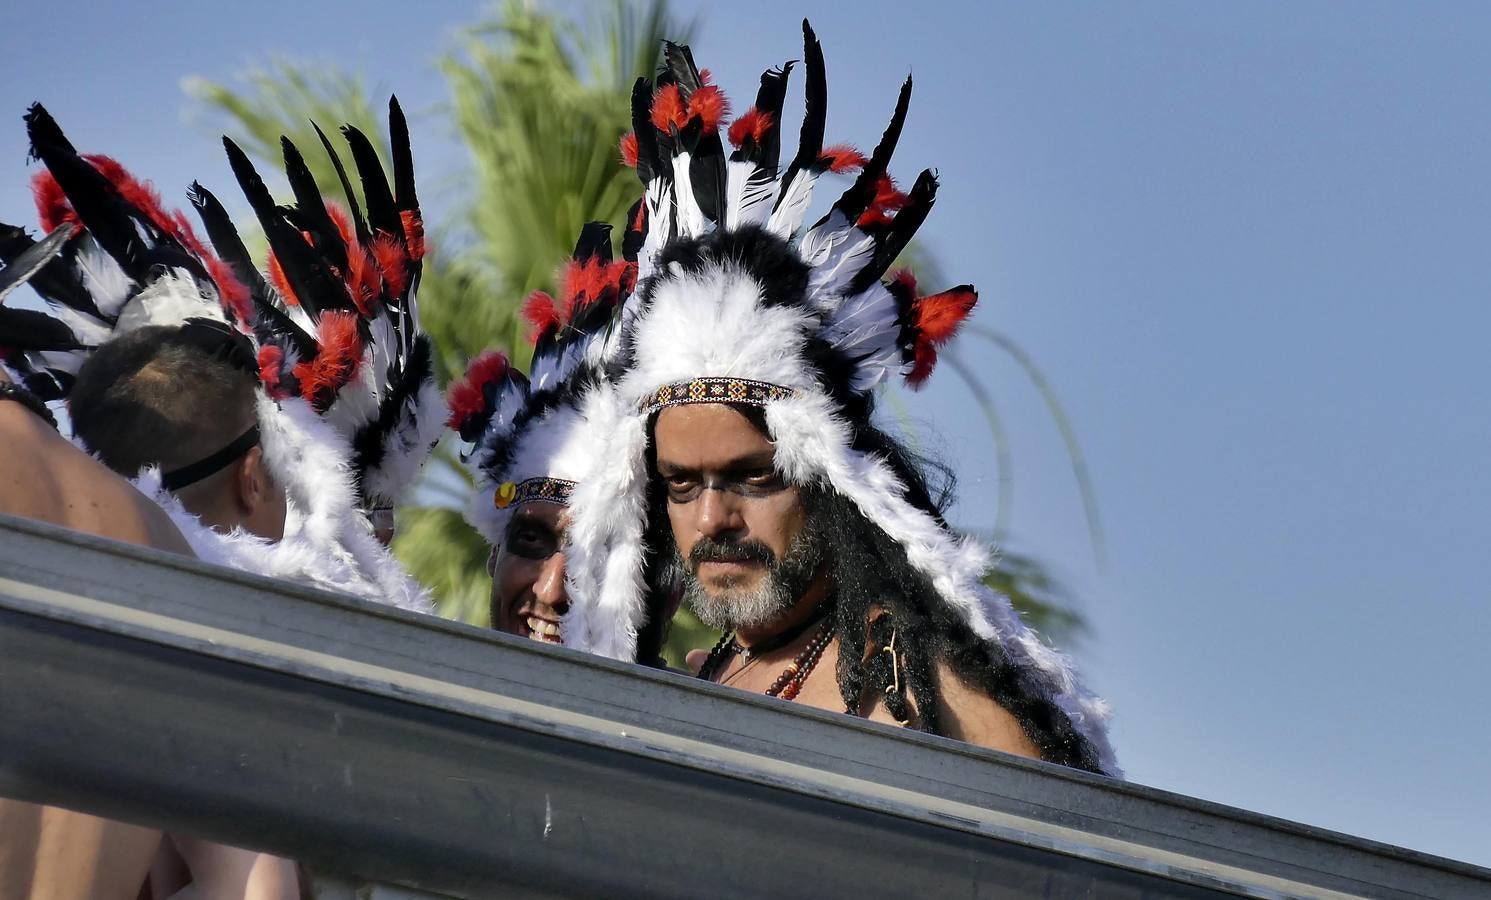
[[788, 684]]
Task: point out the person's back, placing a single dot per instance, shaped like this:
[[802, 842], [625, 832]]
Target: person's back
[[49, 853]]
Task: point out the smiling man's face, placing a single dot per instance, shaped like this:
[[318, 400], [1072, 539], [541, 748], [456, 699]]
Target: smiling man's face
[[528, 595], [739, 528]]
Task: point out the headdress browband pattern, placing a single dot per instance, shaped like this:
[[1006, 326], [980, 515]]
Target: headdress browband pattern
[[715, 390], [541, 489]]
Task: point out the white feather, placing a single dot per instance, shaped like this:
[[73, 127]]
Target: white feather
[[103, 278], [792, 207], [408, 446], [170, 299], [749, 193]]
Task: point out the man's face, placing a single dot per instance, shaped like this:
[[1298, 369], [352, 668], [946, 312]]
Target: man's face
[[527, 569], [743, 546]]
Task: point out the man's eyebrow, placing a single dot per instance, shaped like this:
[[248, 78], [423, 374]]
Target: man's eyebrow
[[749, 462]]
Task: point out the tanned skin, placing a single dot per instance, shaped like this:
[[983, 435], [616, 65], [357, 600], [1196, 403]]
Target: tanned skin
[[49, 853], [712, 442]]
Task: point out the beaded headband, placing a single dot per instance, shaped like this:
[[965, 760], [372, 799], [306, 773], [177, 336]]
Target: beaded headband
[[533, 490], [715, 390]]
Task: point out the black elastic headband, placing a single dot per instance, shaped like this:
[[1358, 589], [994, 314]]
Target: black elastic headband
[[177, 479]]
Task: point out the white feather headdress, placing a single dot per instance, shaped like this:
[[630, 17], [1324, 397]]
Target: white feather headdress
[[532, 437], [131, 263], [737, 304]]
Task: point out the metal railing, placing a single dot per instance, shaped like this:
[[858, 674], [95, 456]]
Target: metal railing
[[379, 746]]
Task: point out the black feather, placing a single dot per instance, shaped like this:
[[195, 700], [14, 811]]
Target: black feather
[[353, 207], [310, 210], [899, 233], [226, 240], [594, 242], [403, 158], [857, 199], [632, 238], [106, 215], [37, 263], [370, 443], [678, 60], [383, 215], [770, 98], [29, 329], [315, 287], [815, 108], [650, 163], [43, 129]]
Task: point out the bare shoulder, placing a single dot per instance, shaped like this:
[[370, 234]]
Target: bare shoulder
[[969, 714], [48, 479]]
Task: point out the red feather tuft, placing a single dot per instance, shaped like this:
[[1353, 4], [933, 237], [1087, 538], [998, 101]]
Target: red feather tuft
[[710, 104], [629, 149], [668, 110], [467, 395], [488, 367], [888, 199], [842, 158], [935, 320], [628, 280], [280, 282], [361, 279], [342, 221], [271, 358], [233, 293], [541, 313], [335, 364], [414, 233], [393, 263], [140, 194], [639, 224], [706, 76], [52, 207], [753, 123], [906, 279]]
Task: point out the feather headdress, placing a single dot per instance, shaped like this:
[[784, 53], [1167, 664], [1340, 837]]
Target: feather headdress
[[130, 263], [529, 435], [338, 315], [738, 303]]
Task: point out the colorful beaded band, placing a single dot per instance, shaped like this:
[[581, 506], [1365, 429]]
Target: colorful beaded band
[[715, 390], [533, 490]]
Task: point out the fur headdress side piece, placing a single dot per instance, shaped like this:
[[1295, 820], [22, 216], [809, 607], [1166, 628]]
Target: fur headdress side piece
[[737, 303], [338, 316], [528, 434]]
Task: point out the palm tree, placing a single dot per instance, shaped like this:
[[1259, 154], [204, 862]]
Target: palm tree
[[524, 72]]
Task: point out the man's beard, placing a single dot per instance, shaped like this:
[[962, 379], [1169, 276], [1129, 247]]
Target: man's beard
[[785, 581]]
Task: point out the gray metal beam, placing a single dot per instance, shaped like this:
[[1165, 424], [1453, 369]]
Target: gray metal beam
[[402, 748]]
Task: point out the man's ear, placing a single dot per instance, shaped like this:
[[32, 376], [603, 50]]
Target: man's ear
[[252, 481]]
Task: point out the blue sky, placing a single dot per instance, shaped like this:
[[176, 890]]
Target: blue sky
[[1245, 242]]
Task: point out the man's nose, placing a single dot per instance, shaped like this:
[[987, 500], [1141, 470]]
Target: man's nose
[[719, 513], [549, 588]]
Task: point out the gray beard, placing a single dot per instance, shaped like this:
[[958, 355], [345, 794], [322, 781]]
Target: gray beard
[[784, 583]]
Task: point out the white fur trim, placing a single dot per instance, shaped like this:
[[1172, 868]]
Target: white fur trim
[[713, 323], [408, 446], [608, 514], [561, 444], [371, 575]]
